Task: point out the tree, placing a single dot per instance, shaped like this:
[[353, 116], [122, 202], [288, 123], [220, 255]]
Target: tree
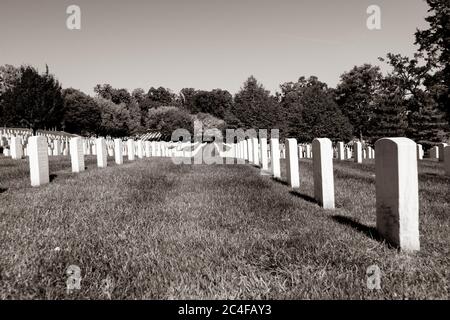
[[411, 76], [355, 95], [34, 102], [167, 119], [428, 125], [390, 113], [215, 102], [138, 95], [114, 118], [134, 121], [105, 91], [254, 106], [117, 96], [290, 108], [434, 42], [81, 113], [187, 98], [160, 97], [9, 75], [314, 113]]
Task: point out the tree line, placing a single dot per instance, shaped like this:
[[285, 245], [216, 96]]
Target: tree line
[[411, 100]]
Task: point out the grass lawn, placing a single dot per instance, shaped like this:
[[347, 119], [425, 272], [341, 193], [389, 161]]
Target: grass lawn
[[156, 230]]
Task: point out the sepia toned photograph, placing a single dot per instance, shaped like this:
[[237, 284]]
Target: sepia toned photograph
[[224, 150]]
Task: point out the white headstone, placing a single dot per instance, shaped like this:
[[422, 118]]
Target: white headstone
[[357, 151], [264, 155], [300, 152], [130, 149], [245, 148], [39, 169], [441, 147], [323, 172], [419, 152], [340, 151], [66, 149], [255, 146], [56, 147], [250, 150], [153, 145], [16, 150], [102, 156], [118, 155], [147, 149], [434, 153], [140, 149], [397, 192], [308, 151], [275, 157], [86, 148], [77, 154], [447, 160], [292, 170]]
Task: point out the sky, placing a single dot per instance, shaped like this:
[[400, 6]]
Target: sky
[[203, 44]]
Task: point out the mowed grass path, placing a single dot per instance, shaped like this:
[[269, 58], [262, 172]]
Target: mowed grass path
[[157, 230]]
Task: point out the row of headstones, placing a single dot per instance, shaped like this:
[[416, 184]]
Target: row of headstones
[[357, 152], [395, 166], [17, 146], [343, 152], [14, 143], [396, 172], [38, 155], [436, 152]]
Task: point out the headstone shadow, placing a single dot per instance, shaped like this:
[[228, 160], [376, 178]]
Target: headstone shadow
[[53, 177], [433, 176], [303, 196], [280, 181], [371, 232]]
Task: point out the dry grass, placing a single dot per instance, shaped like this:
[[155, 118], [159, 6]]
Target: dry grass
[[164, 231]]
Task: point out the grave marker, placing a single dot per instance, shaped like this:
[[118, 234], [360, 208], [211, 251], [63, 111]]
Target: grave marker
[[340, 151], [434, 153], [102, 156], [275, 157], [397, 195], [130, 149], [77, 154], [56, 147], [250, 150], [292, 170], [264, 155], [323, 172], [255, 146], [39, 169], [16, 149], [441, 147], [419, 152], [447, 160], [147, 149], [118, 151], [140, 149], [357, 151]]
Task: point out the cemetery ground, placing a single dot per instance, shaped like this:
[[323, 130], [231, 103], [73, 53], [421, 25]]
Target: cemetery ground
[[156, 230]]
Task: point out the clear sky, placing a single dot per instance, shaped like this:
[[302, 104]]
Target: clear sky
[[203, 44]]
